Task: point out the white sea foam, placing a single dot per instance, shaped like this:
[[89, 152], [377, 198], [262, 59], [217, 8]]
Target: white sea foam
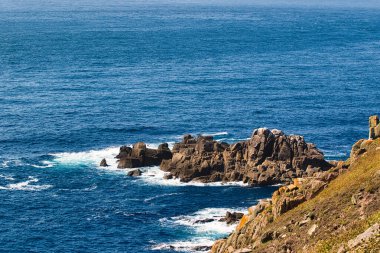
[[46, 164], [186, 246], [215, 134], [13, 162], [92, 157], [193, 221], [206, 232], [4, 164], [27, 185], [9, 178], [153, 175]]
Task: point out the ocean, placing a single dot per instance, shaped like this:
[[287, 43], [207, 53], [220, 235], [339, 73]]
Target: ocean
[[77, 81]]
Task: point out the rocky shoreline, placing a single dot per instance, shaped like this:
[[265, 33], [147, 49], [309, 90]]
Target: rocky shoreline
[[337, 210], [268, 157], [271, 157]]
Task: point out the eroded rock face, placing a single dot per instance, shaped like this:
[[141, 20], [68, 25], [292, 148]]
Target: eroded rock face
[[268, 157], [139, 155], [252, 229], [374, 127]]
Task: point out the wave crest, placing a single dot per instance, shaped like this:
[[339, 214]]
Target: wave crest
[[27, 185]]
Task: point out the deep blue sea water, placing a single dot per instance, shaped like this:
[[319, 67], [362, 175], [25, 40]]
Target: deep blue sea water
[[77, 81]]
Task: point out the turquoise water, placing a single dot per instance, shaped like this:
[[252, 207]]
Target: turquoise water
[[77, 81]]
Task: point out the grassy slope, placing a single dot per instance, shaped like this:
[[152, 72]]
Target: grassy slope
[[337, 218]]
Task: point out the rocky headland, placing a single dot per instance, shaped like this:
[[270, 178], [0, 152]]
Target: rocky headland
[[337, 210], [268, 157], [322, 207]]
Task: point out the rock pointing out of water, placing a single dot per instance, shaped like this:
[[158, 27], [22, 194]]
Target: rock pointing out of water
[[268, 157], [103, 163]]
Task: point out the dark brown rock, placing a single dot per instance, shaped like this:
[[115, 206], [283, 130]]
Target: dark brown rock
[[134, 173], [232, 217], [168, 176], [139, 155], [268, 157], [267, 236], [103, 163], [204, 221]]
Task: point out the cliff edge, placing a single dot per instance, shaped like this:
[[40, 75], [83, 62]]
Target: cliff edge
[[333, 211]]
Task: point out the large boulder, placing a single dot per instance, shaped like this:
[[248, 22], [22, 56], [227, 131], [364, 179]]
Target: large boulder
[[195, 158], [139, 155]]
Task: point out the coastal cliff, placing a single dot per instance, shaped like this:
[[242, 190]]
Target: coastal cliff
[[333, 211]]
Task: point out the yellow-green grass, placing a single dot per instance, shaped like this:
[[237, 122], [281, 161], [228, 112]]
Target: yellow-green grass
[[338, 219]]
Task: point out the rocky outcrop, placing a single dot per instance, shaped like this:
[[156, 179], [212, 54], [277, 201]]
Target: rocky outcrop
[[252, 229], [374, 127], [332, 211], [139, 155], [103, 163], [361, 146], [268, 157], [231, 218]]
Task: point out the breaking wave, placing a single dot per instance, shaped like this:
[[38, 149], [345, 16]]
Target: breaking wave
[[27, 185], [195, 245], [205, 223]]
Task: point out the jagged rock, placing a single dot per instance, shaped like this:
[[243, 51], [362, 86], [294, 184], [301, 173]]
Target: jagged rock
[[139, 155], [103, 163], [268, 157], [232, 217], [332, 213], [134, 173], [374, 127]]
